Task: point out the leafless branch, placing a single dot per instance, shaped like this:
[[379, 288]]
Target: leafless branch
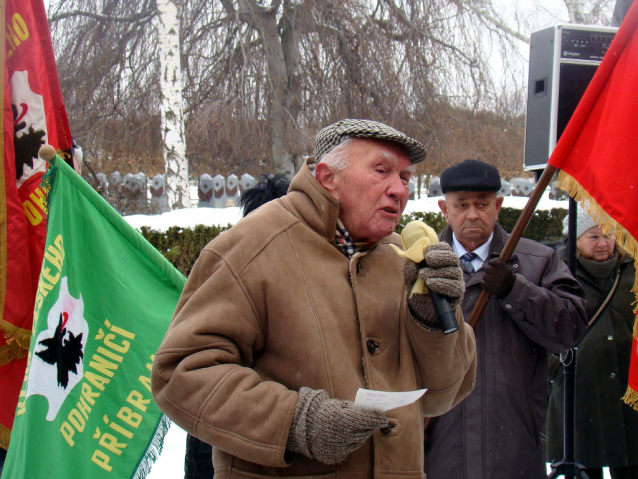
[[105, 18]]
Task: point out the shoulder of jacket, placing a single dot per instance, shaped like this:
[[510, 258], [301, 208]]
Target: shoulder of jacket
[[533, 248], [254, 232]]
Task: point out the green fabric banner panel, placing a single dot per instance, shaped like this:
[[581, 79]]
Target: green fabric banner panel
[[105, 299]]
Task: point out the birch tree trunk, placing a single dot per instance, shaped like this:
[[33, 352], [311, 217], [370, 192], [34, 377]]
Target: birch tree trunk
[[574, 10], [172, 111]]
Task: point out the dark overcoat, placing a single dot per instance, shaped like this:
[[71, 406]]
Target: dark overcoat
[[606, 429], [497, 431]]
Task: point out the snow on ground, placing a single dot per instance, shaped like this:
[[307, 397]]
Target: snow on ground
[[187, 218], [170, 464], [190, 217]]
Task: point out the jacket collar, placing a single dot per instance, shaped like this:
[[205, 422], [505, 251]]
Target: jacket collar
[[498, 240], [312, 203]]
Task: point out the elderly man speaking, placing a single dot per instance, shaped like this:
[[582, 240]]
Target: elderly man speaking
[[286, 315], [537, 306]]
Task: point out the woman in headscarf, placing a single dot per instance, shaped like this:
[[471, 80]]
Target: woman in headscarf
[[606, 429]]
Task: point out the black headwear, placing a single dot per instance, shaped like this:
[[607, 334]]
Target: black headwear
[[267, 188], [470, 175]]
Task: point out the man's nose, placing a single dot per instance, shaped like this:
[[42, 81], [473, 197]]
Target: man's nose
[[396, 188], [472, 213]]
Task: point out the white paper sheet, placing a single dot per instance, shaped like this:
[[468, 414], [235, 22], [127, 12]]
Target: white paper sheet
[[382, 401]]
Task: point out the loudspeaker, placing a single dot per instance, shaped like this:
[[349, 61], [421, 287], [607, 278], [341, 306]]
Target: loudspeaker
[[562, 62]]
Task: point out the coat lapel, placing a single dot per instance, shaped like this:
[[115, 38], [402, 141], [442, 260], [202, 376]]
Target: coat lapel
[[498, 243]]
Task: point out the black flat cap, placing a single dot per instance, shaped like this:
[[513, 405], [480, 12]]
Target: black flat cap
[[470, 175], [337, 133]]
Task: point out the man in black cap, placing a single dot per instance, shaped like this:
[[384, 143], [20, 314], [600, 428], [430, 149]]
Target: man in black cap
[[286, 315], [536, 306]]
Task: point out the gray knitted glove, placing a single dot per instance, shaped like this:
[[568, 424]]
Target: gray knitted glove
[[327, 429], [441, 273]]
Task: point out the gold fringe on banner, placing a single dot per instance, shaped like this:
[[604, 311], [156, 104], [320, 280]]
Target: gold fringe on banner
[[623, 238], [11, 351], [5, 435], [631, 398], [15, 334], [609, 225]]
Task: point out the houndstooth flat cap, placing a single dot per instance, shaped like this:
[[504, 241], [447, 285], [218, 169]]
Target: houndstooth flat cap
[[333, 135]]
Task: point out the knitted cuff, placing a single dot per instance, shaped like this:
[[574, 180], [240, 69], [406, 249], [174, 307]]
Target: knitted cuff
[[298, 436], [423, 312]]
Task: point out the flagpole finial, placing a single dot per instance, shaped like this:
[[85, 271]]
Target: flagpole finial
[[47, 152]]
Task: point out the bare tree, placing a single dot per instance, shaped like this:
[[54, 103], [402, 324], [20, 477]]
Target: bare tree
[[287, 68], [261, 77], [594, 12], [109, 72], [591, 12]]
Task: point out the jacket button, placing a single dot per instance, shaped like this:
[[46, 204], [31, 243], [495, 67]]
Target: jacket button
[[372, 346], [612, 375], [610, 337], [507, 306]]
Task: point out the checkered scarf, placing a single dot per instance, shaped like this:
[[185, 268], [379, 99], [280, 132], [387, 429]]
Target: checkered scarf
[[345, 243]]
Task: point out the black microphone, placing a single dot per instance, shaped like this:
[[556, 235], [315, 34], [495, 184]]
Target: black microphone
[[444, 312], [411, 237]]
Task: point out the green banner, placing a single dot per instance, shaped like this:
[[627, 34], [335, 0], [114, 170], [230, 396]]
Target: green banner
[[104, 301]]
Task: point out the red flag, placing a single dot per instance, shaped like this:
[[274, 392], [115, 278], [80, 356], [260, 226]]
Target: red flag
[[597, 152], [33, 115]]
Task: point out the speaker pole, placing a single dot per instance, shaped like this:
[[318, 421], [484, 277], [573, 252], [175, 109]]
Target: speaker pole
[[568, 467]]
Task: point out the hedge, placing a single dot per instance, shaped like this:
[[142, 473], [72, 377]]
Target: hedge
[[545, 226], [181, 246]]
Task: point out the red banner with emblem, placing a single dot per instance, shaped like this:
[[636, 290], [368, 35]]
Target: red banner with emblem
[[597, 153], [34, 114]]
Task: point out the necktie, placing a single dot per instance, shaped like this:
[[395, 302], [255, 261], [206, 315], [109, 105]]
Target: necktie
[[467, 261]]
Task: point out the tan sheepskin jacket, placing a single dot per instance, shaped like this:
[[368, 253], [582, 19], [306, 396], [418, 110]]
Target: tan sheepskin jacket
[[272, 305]]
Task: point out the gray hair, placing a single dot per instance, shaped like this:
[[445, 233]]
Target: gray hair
[[337, 158]]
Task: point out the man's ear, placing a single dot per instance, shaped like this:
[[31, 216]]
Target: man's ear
[[499, 202], [327, 178], [443, 206]]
